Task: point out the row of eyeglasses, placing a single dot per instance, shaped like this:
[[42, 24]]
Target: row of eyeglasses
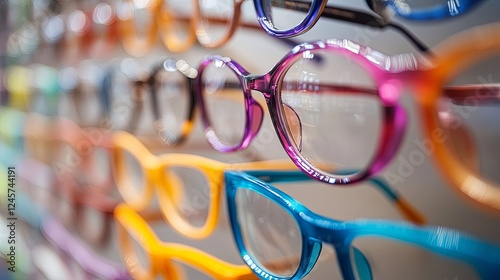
[[66, 177], [276, 235], [93, 28]]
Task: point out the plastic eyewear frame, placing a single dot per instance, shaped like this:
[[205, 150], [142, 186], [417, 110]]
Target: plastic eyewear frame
[[446, 9], [316, 229], [41, 185], [64, 242], [426, 77], [319, 8], [151, 84], [157, 176], [133, 226]]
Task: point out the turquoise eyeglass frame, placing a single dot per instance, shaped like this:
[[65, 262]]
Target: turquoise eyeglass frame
[[316, 230]]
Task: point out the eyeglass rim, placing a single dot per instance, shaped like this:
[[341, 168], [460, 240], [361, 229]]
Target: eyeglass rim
[[394, 117], [484, 257]]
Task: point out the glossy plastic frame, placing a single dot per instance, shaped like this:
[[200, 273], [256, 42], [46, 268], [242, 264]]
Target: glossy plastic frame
[[426, 77], [318, 8], [316, 230], [131, 225], [34, 174], [64, 242], [155, 177], [150, 85], [446, 9]]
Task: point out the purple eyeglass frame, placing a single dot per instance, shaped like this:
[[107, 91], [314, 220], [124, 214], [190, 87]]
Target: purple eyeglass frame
[[393, 115]]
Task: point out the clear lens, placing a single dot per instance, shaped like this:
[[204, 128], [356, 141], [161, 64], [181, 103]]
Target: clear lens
[[331, 111], [215, 20], [173, 99], [224, 102], [283, 16], [176, 19], [134, 256], [469, 117], [122, 93], [192, 196], [389, 259], [133, 173], [270, 234], [87, 98]]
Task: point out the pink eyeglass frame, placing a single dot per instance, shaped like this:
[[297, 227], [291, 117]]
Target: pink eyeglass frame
[[391, 74]]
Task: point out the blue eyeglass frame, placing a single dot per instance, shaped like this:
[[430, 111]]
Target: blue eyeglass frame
[[383, 8], [316, 230], [435, 13]]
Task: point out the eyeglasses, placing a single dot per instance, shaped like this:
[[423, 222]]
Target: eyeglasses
[[90, 263], [271, 227], [54, 251], [189, 187], [167, 88], [152, 258], [189, 197], [34, 88], [422, 11], [279, 23], [353, 120]]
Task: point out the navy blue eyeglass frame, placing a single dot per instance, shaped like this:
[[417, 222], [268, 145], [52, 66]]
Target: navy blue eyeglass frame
[[316, 230]]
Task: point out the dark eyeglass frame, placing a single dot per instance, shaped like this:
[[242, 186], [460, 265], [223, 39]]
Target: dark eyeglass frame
[[149, 85]]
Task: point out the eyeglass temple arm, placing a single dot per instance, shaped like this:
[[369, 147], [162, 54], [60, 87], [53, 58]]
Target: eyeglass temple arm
[[403, 206], [471, 95], [352, 16]]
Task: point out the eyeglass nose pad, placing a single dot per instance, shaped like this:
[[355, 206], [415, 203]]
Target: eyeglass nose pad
[[294, 125], [361, 265], [315, 254], [257, 117]]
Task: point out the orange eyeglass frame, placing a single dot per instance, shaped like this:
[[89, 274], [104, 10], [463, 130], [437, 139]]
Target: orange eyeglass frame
[[167, 185], [458, 52], [130, 224]]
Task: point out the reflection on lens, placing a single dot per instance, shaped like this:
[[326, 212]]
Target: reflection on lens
[[331, 111], [389, 259], [215, 20], [133, 172], [173, 97], [270, 234], [134, 256], [283, 18], [224, 102], [193, 203], [469, 117], [409, 6]]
